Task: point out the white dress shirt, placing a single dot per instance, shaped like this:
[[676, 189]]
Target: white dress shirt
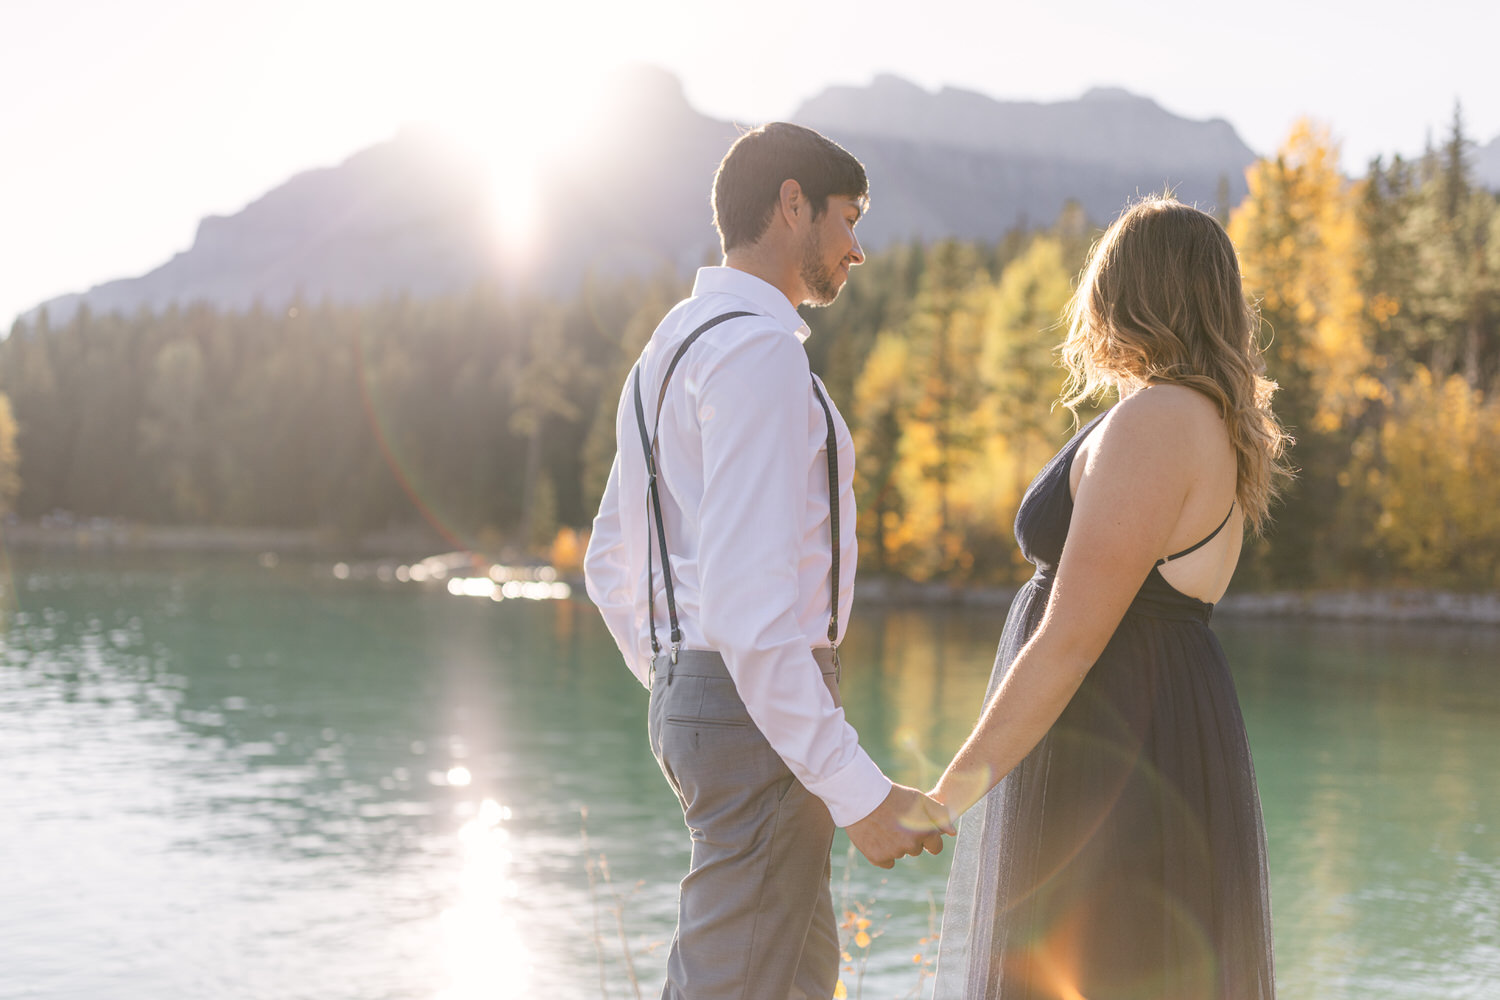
[[743, 476]]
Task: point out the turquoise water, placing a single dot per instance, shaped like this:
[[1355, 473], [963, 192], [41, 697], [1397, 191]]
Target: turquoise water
[[223, 780]]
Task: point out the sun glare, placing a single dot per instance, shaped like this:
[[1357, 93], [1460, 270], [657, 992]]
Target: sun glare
[[508, 83], [487, 956], [509, 94]]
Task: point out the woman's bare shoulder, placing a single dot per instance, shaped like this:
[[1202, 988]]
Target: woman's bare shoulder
[[1161, 427], [1164, 400], [1170, 417], [1167, 415]]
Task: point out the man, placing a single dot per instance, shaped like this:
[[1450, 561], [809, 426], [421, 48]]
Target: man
[[722, 560]]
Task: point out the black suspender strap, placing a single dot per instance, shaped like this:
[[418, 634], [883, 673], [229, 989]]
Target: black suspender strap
[[648, 447], [833, 517]]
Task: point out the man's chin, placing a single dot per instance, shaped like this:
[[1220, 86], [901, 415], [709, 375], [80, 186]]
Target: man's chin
[[825, 295]]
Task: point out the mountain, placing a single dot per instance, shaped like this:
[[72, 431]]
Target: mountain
[[404, 214], [958, 163], [1106, 127], [1487, 164], [414, 215]]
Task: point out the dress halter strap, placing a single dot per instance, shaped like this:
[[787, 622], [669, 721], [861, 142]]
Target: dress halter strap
[[1198, 545], [648, 446]]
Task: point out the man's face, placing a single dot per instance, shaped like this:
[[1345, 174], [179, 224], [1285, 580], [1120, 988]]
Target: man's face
[[830, 249]]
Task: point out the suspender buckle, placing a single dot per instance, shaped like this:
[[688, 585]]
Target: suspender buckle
[[837, 666], [674, 654]]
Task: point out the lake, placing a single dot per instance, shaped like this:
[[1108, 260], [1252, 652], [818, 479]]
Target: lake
[[223, 777]]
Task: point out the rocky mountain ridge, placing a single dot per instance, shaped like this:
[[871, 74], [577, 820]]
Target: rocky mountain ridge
[[412, 216]]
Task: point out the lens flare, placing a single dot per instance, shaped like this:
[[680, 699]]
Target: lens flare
[[399, 469], [1075, 958]]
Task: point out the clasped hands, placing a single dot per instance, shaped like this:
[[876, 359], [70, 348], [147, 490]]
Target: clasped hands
[[905, 824]]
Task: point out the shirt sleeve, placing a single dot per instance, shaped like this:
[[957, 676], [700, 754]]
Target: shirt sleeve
[[607, 578], [752, 408]]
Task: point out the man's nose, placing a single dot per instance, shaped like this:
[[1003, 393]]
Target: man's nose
[[856, 253]]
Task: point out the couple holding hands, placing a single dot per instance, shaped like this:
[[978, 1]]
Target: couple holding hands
[[1111, 843]]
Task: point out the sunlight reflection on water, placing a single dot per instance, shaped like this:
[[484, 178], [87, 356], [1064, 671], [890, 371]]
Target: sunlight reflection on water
[[498, 582], [487, 956], [531, 590]]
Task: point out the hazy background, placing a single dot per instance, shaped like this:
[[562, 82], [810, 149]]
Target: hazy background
[[124, 124]]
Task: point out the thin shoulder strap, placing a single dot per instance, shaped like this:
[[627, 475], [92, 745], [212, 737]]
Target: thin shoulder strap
[[1195, 547], [682, 349], [648, 446], [833, 518]]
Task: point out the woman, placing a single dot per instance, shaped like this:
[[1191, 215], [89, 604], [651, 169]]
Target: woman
[[1121, 853]]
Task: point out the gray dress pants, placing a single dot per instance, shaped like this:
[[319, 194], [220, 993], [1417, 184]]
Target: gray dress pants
[[755, 916]]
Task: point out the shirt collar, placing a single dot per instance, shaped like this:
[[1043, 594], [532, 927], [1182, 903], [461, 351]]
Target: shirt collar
[[765, 296]]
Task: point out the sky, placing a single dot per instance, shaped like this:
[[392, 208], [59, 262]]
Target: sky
[[124, 122]]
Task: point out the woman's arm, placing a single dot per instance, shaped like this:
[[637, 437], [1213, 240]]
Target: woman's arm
[[1139, 468]]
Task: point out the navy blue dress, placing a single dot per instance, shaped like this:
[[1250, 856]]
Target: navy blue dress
[[1125, 856]]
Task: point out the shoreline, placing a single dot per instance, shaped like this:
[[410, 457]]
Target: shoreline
[[111, 535], [416, 542], [1393, 606], [1405, 605]]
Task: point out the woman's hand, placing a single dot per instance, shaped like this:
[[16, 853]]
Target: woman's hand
[[944, 799]]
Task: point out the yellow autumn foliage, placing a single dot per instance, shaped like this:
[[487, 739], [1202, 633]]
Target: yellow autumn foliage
[[567, 550], [877, 414], [1432, 482], [1300, 241], [954, 416], [10, 459]]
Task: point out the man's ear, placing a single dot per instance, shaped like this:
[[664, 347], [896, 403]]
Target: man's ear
[[793, 203]]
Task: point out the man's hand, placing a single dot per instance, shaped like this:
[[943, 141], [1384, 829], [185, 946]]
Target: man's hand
[[906, 823]]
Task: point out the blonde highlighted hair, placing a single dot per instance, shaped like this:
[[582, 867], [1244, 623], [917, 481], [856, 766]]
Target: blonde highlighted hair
[[1161, 301]]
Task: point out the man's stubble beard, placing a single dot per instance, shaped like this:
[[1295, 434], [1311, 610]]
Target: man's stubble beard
[[821, 280]]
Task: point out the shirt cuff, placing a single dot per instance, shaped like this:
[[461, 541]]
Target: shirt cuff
[[854, 790]]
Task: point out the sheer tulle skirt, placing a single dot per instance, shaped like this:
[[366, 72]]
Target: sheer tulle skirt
[[1125, 856]]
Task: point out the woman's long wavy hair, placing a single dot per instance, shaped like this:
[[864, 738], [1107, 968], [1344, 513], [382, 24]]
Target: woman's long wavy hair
[[1161, 300]]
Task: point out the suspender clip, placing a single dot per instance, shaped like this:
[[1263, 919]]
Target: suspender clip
[[674, 654]]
